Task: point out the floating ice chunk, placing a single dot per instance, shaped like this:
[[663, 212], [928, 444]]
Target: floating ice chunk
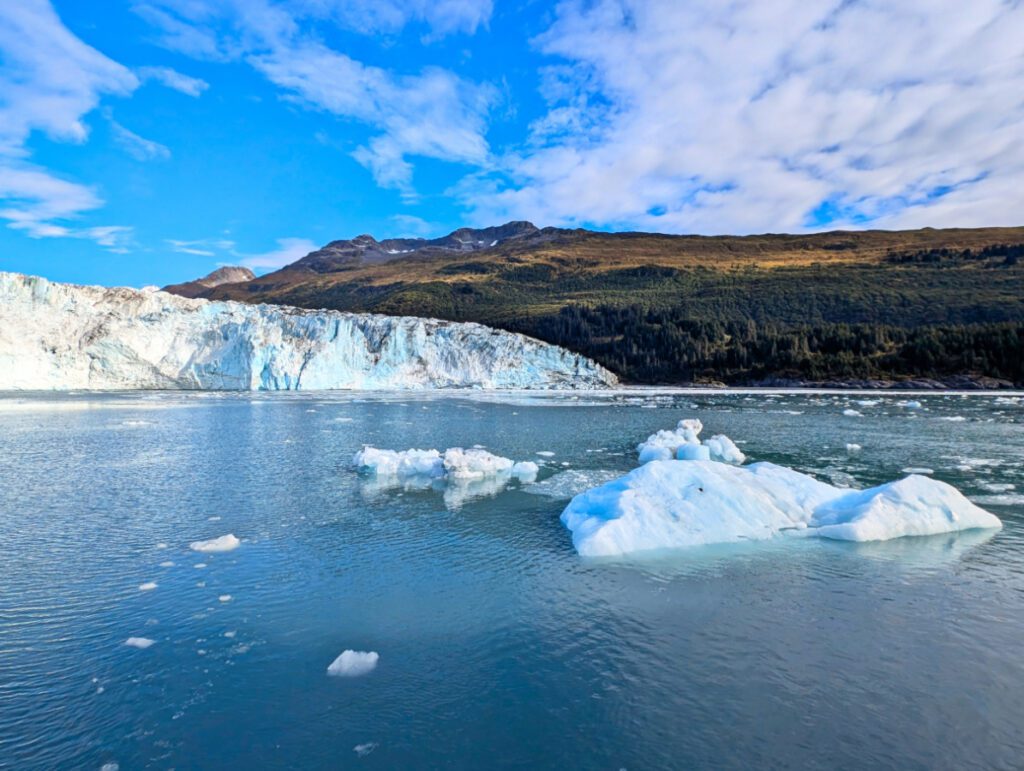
[[954, 418], [147, 587], [225, 598], [692, 452], [403, 463], [362, 750], [474, 464], [139, 642], [545, 453], [852, 413], [853, 448], [915, 505], [224, 543], [866, 402], [353, 663], [684, 443], [672, 504], [167, 564], [918, 470], [723, 449], [910, 404], [525, 471]]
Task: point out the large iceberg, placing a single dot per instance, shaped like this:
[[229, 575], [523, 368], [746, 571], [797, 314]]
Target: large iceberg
[[62, 337], [669, 504], [689, 493]]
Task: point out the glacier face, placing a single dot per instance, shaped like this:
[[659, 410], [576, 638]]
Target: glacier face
[[62, 336]]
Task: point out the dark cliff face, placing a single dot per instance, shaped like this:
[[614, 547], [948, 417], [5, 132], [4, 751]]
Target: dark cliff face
[[229, 274]]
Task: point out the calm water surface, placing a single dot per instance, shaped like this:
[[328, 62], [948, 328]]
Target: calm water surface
[[499, 646]]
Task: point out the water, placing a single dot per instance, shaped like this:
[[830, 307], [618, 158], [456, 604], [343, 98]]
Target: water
[[499, 647]]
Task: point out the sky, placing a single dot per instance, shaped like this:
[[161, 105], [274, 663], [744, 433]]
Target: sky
[[151, 141]]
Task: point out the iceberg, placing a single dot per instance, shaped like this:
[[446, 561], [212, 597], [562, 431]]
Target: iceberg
[[460, 474], [66, 337], [353, 663], [668, 504], [684, 443], [225, 543]]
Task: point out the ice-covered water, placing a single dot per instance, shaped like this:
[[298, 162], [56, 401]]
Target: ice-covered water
[[498, 645]]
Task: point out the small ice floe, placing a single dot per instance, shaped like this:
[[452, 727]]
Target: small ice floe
[[362, 750], [161, 546], [115, 766], [853, 448], [353, 663], [683, 443], [475, 471], [224, 543], [139, 642], [545, 453], [199, 565], [147, 587], [866, 402], [213, 519], [954, 418], [851, 413], [918, 470], [909, 404], [167, 564], [225, 598], [231, 634]]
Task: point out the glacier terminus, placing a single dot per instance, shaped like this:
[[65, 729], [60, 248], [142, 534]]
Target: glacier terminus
[[57, 336]]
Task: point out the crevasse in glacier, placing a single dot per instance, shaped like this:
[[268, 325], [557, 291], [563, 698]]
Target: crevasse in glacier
[[61, 336]]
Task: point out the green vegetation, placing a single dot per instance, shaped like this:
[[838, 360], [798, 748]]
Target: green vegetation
[[659, 309]]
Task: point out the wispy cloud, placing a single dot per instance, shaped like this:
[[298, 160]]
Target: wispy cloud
[[138, 147], [173, 79], [288, 251], [771, 115], [49, 80], [206, 247], [432, 113]]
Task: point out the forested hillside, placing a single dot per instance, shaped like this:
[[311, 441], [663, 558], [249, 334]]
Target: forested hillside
[[676, 309]]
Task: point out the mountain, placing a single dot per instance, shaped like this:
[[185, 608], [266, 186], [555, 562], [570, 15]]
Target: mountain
[[824, 307], [61, 337], [229, 274]]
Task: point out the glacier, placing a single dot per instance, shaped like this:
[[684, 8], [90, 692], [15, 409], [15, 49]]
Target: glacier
[[57, 337], [689, 494]]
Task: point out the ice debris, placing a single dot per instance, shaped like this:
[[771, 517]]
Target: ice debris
[[353, 663], [462, 474], [139, 642], [684, 443], [225, 543]]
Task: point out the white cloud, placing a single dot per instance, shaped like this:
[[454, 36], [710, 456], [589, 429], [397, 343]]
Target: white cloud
[[411, 227], [750, 115], [49, 80], [140, 148], [173, 79], [203, 247], [432, 113], [288, 251]]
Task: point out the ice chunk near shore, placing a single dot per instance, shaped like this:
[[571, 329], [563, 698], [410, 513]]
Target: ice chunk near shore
[[139, 642], [214, 545], [353, 663], [670, 504], [850, 413]]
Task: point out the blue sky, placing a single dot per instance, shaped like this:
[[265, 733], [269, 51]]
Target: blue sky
[[149, 141]]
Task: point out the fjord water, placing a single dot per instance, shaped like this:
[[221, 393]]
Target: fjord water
[[499, 646]]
